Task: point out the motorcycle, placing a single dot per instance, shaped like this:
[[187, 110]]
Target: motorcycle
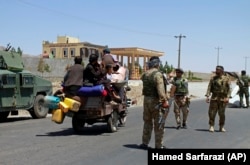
[[94, 107]]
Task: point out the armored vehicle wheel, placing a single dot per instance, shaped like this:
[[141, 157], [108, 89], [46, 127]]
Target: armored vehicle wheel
[[39, 111], [4, 115], [112, 122], [77, 124]]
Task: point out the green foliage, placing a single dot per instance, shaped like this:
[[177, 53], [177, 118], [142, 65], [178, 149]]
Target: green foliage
[[47, 68], [13, 49], [195, 79], [42, 66], [166, 68], [19, 51], [190, 76]]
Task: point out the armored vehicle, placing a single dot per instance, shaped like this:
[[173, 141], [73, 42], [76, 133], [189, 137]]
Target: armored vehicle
[[20, 89]]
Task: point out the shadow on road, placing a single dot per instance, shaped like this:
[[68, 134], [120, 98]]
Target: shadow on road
[[202, 130], [14, 119], [170, 127], [86, 131], [133, 146]]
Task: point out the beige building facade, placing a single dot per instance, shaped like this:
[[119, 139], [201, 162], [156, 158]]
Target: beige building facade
[[70, 47]]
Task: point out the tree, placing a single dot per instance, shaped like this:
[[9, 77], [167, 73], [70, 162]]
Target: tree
[[19, 51], [13, 49], [166, 68], [42, 66]]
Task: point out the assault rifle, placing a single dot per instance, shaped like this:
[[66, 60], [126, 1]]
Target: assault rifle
[[165, 111]]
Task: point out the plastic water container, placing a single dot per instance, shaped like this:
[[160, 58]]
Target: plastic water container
[[64, 107], [72, 104], [51, 102], [58, 116], [91, 91]]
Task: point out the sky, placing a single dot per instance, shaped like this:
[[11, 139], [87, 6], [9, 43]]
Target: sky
[[217, 32]]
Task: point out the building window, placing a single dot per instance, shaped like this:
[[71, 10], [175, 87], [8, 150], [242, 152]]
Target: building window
[[82, 52], [97, 53], [65, 52], [86, 52], [53, 52], [72, 52], [93, 51]]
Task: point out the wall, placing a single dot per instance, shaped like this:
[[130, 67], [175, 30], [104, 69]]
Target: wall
[[58, 67], [58, 70]]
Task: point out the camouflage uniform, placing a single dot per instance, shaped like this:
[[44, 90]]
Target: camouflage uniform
[[243, 90], [181, 101], [220, 87], [154, 93]]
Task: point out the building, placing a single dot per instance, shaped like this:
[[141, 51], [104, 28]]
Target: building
[[133, 55], [69, 47]]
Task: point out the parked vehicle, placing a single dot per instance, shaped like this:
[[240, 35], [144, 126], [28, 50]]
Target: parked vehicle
[[19, 88]]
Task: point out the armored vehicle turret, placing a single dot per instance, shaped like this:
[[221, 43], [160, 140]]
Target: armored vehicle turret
[[19, 88]]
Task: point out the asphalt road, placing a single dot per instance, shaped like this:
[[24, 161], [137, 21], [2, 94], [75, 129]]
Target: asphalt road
[[28, 141]]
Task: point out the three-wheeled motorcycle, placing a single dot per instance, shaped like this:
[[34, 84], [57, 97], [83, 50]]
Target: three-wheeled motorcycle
[[94, 108]]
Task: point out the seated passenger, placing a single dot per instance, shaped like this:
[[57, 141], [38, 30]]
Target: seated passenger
[[118, 76], [73, 79], [108, 58], [93, 73], [119, 73], [109, 72]]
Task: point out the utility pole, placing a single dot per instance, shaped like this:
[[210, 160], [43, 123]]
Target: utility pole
[[179, 50], [218, 54], [246, 63]]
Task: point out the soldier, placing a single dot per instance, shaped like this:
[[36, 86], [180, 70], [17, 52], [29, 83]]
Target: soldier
[[220, 88], [154, 94], [243, 84], [179, 92]]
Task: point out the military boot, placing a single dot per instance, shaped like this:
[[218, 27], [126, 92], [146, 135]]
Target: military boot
[[222, 129], [211, 128]]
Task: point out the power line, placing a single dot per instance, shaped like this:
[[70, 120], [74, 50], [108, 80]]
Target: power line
[[93, 21], [179, 50]]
